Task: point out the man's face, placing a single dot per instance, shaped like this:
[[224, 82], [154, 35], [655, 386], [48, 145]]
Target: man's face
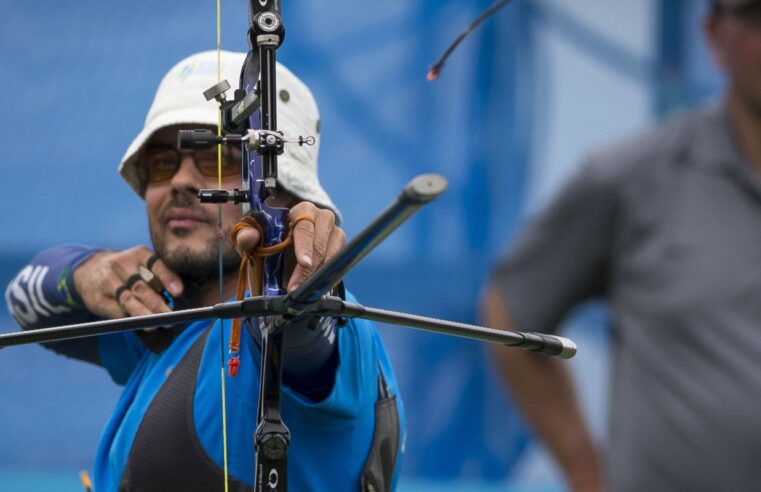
[[735, 38], [183, 230]]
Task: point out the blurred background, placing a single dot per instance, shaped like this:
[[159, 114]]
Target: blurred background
[[517, 106]]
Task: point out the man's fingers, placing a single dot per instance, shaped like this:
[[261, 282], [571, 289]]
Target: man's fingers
[[298, 276], [132, 305], [153, 301], [105, 300], [302, 219], [335, 243], [143, 276], [141, 299], [125, 263], [315, 238], [143, 266], [303, 242], [167, 277], [115, 284], [302, 272], [325, 223], [248, 239]]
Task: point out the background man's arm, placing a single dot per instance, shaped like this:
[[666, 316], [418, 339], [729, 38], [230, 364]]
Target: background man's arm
[[560, 259], [543, 389]]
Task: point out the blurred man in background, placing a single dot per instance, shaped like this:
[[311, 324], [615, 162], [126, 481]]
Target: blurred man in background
[[667, 227]]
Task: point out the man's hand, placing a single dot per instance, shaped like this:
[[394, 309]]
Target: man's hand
[[313, 243], [109, 274]]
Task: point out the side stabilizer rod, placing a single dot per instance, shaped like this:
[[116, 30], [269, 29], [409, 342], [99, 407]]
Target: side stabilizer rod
[[541, 343], [550, 345], [252, 306]]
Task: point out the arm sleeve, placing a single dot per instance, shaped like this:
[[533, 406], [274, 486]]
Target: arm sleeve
[[42, 294], [562, 256]]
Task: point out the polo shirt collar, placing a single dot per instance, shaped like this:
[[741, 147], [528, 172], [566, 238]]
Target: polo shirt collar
[[715, 148]]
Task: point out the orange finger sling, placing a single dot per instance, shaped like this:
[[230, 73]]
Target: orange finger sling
[[251, 268]]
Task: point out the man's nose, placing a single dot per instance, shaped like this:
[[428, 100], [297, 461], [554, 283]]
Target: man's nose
[[187, 175]]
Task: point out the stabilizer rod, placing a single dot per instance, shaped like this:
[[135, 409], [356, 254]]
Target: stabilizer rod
[[550, 345], [253, 306], [419, 191]]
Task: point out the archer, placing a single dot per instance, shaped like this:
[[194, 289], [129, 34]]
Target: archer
[[166, 432]]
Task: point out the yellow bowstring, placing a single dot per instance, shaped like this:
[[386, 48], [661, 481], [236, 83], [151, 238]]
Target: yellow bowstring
[[219, 246]]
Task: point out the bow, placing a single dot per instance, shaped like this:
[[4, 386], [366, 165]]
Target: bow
[[249, 120]]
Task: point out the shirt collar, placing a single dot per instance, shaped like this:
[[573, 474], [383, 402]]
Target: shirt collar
[[715, 147], [716, 150]]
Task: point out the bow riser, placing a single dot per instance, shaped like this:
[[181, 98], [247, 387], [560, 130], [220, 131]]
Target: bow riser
[[259, 74], [272, 436]]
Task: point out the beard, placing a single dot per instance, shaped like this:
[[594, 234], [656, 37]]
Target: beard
[[196, 268]]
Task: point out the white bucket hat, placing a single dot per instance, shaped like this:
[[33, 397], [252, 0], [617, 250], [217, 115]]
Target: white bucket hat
[[179, 100]]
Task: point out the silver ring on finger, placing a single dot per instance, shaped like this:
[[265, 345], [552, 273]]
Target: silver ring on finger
[[126, 286], [147, 276]]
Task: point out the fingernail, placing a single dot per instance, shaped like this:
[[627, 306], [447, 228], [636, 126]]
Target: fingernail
[[306, 260], [293, 287], [175, 288]]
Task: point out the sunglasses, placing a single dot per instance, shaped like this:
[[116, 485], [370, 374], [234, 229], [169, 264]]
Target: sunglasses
[[159, 164]]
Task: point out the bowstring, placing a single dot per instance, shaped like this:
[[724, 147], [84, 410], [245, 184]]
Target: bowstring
[[220, 238]]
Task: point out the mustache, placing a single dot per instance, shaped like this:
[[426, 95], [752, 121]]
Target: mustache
[[188, 201]]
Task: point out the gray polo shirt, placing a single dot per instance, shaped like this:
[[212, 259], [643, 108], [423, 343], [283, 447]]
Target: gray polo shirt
[[667, 227]]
